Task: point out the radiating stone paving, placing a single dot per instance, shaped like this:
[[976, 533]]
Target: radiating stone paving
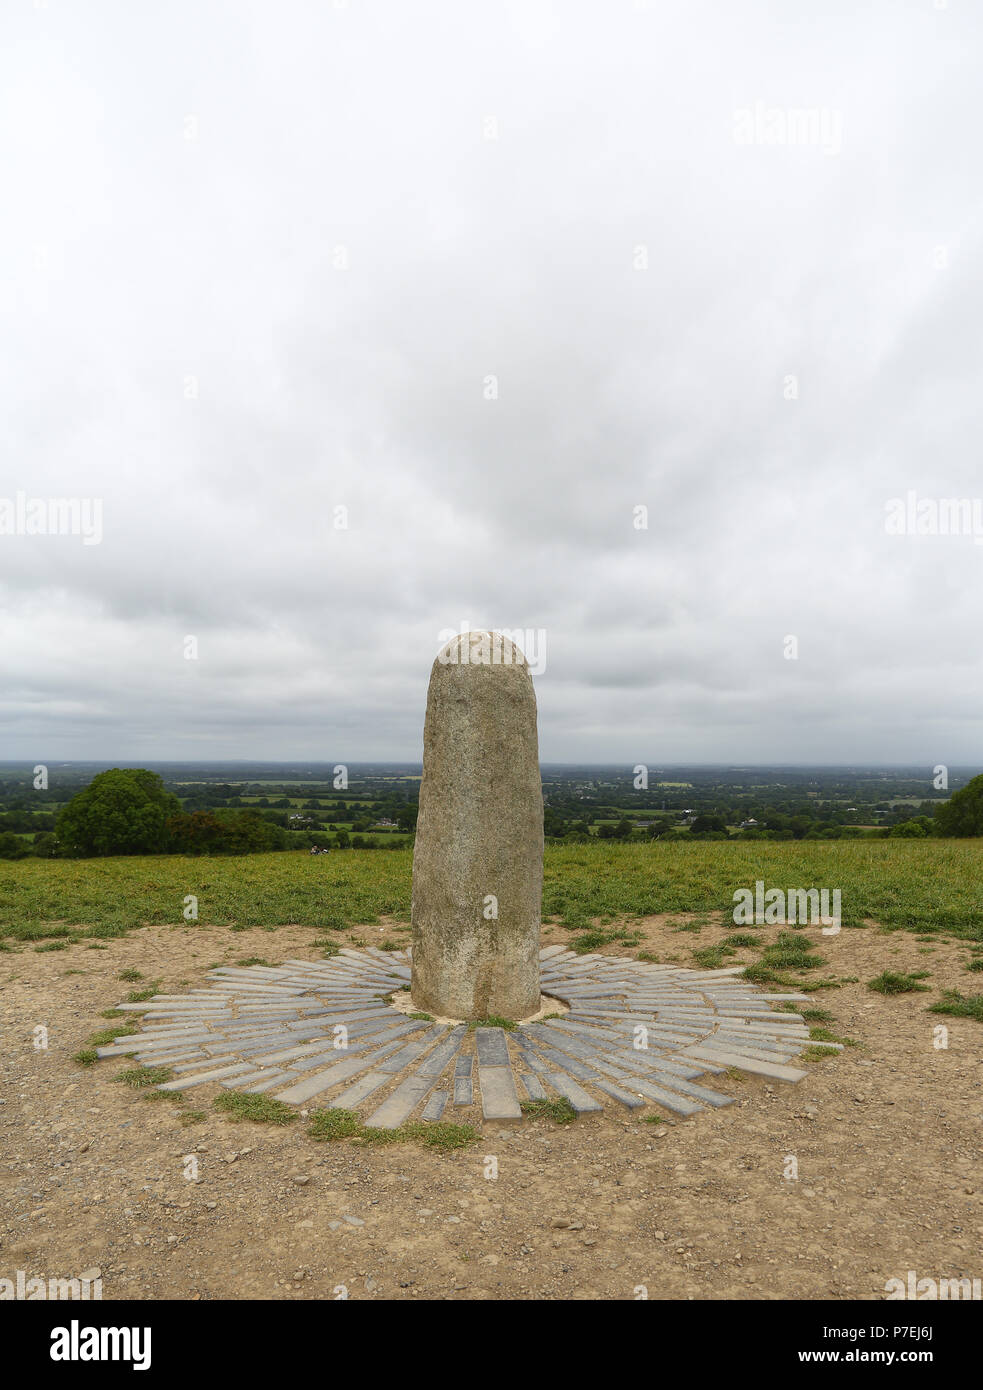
[[324, 1034]]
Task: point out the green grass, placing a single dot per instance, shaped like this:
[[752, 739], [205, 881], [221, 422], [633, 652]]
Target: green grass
[[130, 976], [86, 1057], [818, 1053], [893, 982], [105, 1036], [764, 975], [930, 887], [141, 1077], [741, 938], [790, 952], [593, 940], [246, 961], [424, 1018], [959, 1005], [712, 957], [560, 1111], [140, 996], [236, 1105], [824, 1035], [329, 1125], [493, 1021]]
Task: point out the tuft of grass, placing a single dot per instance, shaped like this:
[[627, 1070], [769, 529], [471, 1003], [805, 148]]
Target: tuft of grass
[[811, 1015], [192, 1117], [113, 1013], [892, 982], [592, 940], [763, 974], [334, 1124], [975, 964], [959, 1005], [653, 1119], [493, 1021], [389, 945], [131, 976], [261, 1109], [86, 1057], [246, 961], [442, 1135], [53, 946], [328, 1125], [560, 1111], [712, 957], [817, 1053], [424, 1018], [140, 996], [741, 938], [105, 1036], [824, 1035], [139, 1078], [789, 952], [649, 956]]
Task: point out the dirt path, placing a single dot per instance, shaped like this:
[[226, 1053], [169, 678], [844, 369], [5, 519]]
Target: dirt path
[[886, 1137]]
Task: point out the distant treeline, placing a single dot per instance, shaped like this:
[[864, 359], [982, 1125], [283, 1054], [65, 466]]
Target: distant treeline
[[133, 811]]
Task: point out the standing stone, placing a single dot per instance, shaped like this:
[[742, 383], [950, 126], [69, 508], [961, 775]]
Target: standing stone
[[478, 859]]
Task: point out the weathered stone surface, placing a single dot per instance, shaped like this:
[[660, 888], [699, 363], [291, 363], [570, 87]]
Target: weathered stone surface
[[479, 839]]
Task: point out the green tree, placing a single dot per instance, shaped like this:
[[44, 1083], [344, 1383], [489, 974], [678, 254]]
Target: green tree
[[907, 830], [962, 814], [122, 811]]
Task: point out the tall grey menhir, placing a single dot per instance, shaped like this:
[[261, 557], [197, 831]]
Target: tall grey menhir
[[478, 860]]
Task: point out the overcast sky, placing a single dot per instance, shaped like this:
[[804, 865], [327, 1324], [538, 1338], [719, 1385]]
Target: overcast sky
[[491, 277]]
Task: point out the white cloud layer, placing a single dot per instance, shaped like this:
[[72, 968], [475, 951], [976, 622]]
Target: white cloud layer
[[259, 261]]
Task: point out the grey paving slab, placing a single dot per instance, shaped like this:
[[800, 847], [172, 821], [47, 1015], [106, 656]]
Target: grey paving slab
[[499, 1100], [535, 1089], [491, 1047], [442, 1054], [751, 1064], [581, 1101], [618, 1093], [268, 1084], [201, 1077], [463, 1090], [669, 1100], [323, 1080], [361, 1090], [434, 1107], [400, 1104]]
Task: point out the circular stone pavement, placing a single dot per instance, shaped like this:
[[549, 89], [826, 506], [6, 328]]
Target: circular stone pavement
[[325, 1032]]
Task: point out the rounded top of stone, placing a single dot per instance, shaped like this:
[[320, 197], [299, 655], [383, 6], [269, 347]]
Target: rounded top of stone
[[481, 648]]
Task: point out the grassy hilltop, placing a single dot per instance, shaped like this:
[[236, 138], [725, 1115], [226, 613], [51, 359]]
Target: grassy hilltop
[[935, 885]]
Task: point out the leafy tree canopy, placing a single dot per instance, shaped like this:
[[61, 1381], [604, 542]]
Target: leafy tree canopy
[[962, 814], [122, 811]]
